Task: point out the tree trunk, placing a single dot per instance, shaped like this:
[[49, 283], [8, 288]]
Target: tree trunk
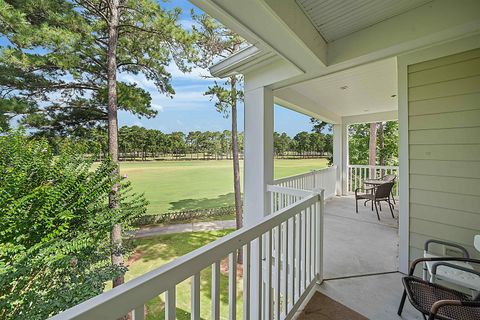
[[381, 146], [116, 234], [372, 148], [236, 162]]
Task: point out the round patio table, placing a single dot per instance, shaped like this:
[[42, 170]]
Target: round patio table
[[374, 182]]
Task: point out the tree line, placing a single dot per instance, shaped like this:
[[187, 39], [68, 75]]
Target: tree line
[[139, 144]]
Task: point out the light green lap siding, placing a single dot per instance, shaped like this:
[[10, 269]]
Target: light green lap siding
[[444, 150]]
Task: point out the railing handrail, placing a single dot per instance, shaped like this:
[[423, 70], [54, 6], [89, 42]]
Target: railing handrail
[[371, 166], [136, 292], [289, 191], [298, 176]]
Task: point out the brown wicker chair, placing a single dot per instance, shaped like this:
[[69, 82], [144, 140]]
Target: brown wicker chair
[[437, 301], [389, 178], [376, 195]]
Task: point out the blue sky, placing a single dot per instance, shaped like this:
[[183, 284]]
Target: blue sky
[[190, 110]]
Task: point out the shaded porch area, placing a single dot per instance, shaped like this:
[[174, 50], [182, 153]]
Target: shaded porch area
[[361, 265]]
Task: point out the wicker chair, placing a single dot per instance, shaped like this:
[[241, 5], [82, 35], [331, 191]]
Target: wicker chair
[[380, 193], [437, 301], [389, 178]]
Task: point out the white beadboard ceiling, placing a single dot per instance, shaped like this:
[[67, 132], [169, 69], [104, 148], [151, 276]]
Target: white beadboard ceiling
[[369, 88], [335, 19]]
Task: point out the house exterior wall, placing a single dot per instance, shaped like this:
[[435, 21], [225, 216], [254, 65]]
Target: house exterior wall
[[444, 150]]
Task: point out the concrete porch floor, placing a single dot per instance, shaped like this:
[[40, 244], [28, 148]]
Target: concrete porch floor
[[361, 261]]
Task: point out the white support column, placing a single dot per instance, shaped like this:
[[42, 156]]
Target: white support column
[[258, 171], [340, 156]]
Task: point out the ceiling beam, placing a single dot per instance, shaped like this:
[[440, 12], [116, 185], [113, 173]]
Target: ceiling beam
[[279, 25], [292, 99]]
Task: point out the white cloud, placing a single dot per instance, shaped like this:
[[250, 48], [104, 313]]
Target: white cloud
[[157, 107], [195, 74]]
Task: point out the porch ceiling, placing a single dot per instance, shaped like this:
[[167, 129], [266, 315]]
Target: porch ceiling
[[335, 21], [366, 89]]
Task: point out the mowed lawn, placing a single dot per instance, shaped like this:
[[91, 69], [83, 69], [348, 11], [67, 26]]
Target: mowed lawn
[[181, 185], [153, 252]]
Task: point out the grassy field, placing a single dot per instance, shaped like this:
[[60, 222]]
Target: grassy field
[[180, 185], [156, 251]]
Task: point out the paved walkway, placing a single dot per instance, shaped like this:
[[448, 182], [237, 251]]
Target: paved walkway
[[185, 227]]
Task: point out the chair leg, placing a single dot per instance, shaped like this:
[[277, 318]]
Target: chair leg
[[356, 205], [402, 303], [391, 208], [380, 205], [393, 198], [376, 209], [372, 203]]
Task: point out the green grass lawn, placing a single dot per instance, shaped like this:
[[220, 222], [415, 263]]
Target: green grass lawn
[[177, 185], [180, 185], [156, 251]]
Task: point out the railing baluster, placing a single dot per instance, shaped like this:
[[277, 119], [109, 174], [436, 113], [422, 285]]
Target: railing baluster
[[312, 243], [304, 246], [259, 303], [232, 285], [195, 297], [268, 276], [216, 290], [350, 174], [286, 266], [278, 284], [292, 252], [246, 281], [299, 257], [139, 313], [307, 246], [170, 304]]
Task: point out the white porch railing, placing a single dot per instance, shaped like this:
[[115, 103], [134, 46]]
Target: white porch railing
[[325, 179], [359, 173], [286, 245]]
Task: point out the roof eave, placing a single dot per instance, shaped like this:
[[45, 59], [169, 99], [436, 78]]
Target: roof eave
[[240, 61]]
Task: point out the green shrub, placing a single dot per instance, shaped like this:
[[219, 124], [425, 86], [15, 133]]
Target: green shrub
[[54, 227]]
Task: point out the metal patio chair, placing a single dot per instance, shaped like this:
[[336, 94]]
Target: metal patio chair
[[380, 193], [389, 178], [437, 301]]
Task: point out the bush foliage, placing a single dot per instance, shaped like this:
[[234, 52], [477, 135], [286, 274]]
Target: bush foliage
[[54, 227]]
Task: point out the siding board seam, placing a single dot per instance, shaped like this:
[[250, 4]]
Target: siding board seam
[[434, 113], [446, 113], [444, 192], [444, 144], [452, 95], [442, 81], [445, 65], [430, 129], [445, 224], [438, 207], [436, 175]]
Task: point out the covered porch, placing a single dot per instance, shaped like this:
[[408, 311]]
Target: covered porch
[[302, 235]]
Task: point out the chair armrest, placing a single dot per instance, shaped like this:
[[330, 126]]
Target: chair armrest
[[443, 303], [453, 266], [447, 244], [433, 259]]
